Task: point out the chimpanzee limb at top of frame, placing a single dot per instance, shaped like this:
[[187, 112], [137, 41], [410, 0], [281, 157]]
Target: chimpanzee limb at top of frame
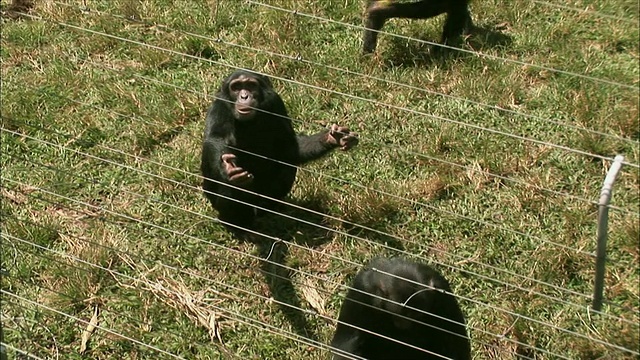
[[414, 306], [379, 11], [249, 143]]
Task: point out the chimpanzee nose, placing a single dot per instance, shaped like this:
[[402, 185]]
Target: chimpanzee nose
[[244, 95]]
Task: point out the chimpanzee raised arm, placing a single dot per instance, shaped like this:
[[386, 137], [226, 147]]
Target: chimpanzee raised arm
[[249, 143]]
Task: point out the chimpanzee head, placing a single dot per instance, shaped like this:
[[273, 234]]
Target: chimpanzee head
[[246, 93]]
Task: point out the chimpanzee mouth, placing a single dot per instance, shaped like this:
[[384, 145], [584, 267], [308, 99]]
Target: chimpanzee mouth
[[244, 110]]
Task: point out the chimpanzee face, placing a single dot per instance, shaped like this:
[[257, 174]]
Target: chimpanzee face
[[246, 94]]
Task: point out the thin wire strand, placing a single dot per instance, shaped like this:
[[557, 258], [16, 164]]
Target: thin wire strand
[[524, 317], [484, 277], [398, 148], [247, 292], [524, 183], [326, 228], [18, 325], [587, 11], [521, 182], [306, 311], [313, 224], [299, 58], [308, 342], [493, 57], [389, 248], [321, 254], [467, 167], [363, 227], [448, 212], [405, 253], [404, 199], [138, 159], [154, 285], [113, 273], [22, 352], [378, 103], [97, 326]]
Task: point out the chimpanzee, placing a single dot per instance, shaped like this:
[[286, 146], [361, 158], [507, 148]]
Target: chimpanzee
[[378, 11], [249, 143], [381, 306]]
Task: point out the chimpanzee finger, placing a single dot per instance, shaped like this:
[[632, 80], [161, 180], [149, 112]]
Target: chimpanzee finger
[[338, 131], [349, 141]]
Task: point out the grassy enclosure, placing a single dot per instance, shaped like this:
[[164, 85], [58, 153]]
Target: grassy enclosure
[[486, 163]]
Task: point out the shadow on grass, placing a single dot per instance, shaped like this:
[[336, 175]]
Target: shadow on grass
[[420, 54], [299, 227], [296, 226]]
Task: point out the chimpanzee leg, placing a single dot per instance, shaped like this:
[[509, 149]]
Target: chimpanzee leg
[[373, 24], [380, 11], [457, 23], [226, 201]]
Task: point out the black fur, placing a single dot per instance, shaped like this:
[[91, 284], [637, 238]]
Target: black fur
[[363, 310], [379, 11], [268, 133]]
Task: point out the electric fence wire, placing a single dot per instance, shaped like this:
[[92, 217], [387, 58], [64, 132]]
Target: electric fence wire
[[139, 159], [344, 94], [308, 274], [604, 343], [493, 57], [301, 59], [246, 292]]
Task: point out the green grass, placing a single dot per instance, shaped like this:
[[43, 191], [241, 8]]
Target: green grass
[[100, 155]]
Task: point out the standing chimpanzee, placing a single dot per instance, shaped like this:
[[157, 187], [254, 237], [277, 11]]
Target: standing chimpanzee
[[378, 11], [249, 143], [411, 306]]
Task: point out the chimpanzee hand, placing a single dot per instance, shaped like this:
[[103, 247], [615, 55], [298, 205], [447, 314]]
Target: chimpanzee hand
[[341, 137], [237, 175]]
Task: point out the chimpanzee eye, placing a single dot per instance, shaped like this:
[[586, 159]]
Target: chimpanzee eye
[[251, 86]]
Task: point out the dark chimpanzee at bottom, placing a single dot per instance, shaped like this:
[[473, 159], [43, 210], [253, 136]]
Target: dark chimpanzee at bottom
[[379, 11], [249, 143], [379, 303]]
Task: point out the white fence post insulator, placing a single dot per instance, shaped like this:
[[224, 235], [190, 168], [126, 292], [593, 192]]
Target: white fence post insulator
[[603, 224]]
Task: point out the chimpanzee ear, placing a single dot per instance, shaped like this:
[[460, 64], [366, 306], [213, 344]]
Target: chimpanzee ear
[[224, 86]]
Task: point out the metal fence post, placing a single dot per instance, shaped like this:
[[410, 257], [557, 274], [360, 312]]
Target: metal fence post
[[603, 224]]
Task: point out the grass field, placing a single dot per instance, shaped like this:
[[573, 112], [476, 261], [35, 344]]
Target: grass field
[[486, 163]]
